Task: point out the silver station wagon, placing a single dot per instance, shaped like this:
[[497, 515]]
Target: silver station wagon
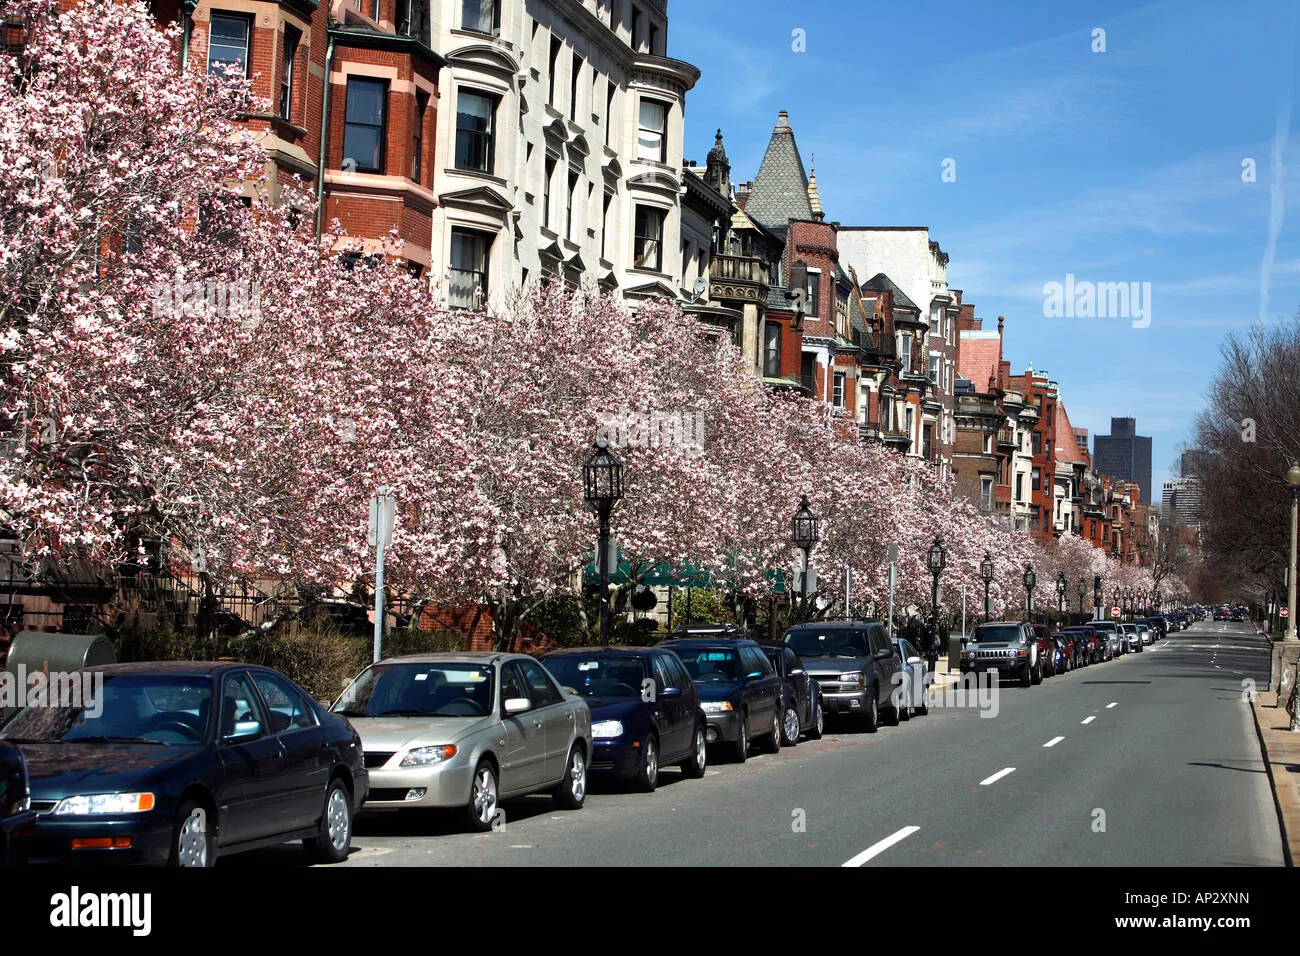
[[467, 730]]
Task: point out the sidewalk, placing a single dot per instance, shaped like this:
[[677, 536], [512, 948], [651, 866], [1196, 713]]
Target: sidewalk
[[1281, 750]]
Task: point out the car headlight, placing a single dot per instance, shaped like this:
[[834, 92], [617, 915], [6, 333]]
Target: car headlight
[[604, 729], [24, 804], [96, 804], [424, 756], [716, 706], [854, 677], [1024, 652]]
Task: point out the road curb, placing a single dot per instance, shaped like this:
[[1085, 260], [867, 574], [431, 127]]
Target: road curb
[[1282, 813]]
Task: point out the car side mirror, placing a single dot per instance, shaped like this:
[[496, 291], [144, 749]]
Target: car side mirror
[[753, 675], [796, 671], [517, 705], [914, 660], [671, 692], [884, 654], [244, 730]]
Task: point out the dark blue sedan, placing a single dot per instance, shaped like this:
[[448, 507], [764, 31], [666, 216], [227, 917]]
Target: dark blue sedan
[[175, 763], [645, 713]]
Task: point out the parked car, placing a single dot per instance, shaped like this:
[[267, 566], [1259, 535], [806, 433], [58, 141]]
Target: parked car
[[1146, 635], [467, 730], [1110, 639], [1008, 647], [739, 691], [1046, 651], [1132, 637], [17, 820], [1064, 651], [912, 693], [801, 695], [1089, 644], [645, 710], [855, 665], [179, 762], [1074, 646]]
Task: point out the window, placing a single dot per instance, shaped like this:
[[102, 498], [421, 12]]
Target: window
[[988, 444], [927, 442], [549, 174], [814, 304], [513, 686], [837, 389], [653, 46], [636, 28], [609, 109], [573, 87], [241, 711], [905, 351], [573, 187], [934, 369], [541, 688], [417, 136], [373, 6], [613, 13], [291, 37], [986, 492], [363, 124], [908, 416], [935, 318], [1037, 440], [288, 709], [474, 131], [649, 246], [555, 67], [604, 223], [771, 349], [1020, 486], [228, 43], [808, 372], [653, 124], [677, 673], [480, 16], [1036, 483], [841, 312], [469, 269]]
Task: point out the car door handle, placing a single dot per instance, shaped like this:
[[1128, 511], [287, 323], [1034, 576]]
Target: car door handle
[[537, 724]]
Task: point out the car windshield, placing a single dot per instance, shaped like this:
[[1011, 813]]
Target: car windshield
[[996, 634], [127, 708], [402, 689], [710, 665], [599, 676], [828, 642]]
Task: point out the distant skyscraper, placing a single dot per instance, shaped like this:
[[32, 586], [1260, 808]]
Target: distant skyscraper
[[1182, 497], [1124, 454], [1190, 463]]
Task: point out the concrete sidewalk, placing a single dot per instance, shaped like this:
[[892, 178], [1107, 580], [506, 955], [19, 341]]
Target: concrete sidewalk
[[1281, 750]]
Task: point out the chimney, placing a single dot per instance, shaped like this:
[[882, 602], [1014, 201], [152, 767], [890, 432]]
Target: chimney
[[742, 194], [1001, 320]]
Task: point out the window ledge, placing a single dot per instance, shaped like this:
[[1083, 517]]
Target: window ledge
[[476, 174]]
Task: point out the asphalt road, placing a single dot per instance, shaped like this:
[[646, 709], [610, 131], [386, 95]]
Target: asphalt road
[[1151, 759]]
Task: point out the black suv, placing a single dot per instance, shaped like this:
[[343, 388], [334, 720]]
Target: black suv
[[645, 712], [739, 691], [801, 696], [855, 665], [1008, 647]]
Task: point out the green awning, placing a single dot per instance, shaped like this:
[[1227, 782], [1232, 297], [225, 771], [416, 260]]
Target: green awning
[[664, 575]]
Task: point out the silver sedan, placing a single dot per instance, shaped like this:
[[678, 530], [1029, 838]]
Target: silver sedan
[[468, 730]]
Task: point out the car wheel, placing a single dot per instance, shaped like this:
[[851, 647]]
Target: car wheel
[[890, 716], [699, 762], [1027, 678], [904, 710], [871, 719], [1036, 673], [819, 723], [482, 806], [571, 794], [192, 837], [740, 749], [772, 741], [647, 778], [790, 727], [335, 838], [924, 707]]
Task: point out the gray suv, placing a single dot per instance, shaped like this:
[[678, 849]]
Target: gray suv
[[1008, 647], [855, 666]]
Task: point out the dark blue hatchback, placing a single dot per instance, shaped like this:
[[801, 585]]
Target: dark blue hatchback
[[645, 712]]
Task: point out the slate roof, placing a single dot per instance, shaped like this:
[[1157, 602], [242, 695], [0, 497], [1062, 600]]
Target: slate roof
[[882, 283], [780, 190]]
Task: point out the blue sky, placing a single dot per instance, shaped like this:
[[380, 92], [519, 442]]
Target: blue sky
[[1115, 166]]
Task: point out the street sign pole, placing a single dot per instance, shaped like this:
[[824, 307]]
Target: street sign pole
[[383, 512], [893, 574]]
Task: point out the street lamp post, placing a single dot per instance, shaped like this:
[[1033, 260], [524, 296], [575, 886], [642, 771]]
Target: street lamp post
[[986, 572], [1096, 597], [1030, 579], [806, 534], [602, 478], [1115, 599], [937, 559], [1062, 585], [1083, 590], [1292, 479]]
